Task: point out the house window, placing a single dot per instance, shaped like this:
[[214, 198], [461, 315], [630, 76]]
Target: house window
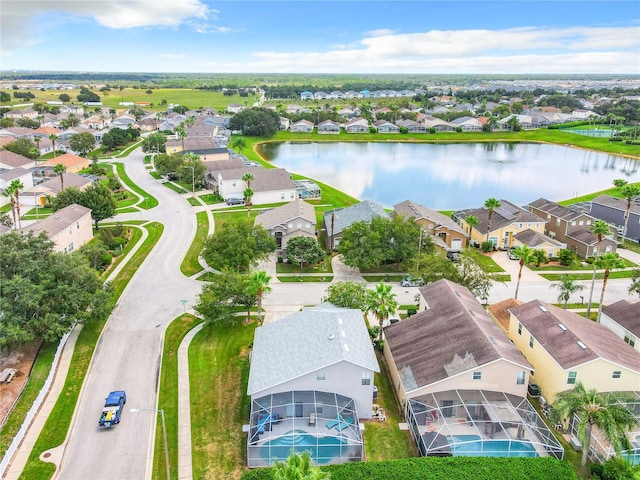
[[531, 341], [233, 184], [571, 378], [557, 222], [307, 225], [366, 378], [521, 377], [321, 376], [291, 225], [588, 222], [616, 374], [537, 225], [78, 225], [477, 375], [519, 328], [299, 225], [573, 224], [282, 196], [630, 339], [520, 226], [581, 222], [71, 247]]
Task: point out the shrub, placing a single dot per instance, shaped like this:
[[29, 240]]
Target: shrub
[[566, 257], [487, 247], [411, 311], [432, 130]]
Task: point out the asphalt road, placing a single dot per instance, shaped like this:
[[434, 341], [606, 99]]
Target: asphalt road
[[127, 356]]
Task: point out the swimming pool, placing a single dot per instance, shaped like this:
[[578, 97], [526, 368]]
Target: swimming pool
[[474, 446], [323, 449]]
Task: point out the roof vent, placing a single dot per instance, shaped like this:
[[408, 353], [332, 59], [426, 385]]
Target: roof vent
[[332, 336], [562, 327], [582, 345], [543, 308]]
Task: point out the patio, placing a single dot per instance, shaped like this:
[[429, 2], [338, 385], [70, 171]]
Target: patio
[[479, 423], [324, 423]]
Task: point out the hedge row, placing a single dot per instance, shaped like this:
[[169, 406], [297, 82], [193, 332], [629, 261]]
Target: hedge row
[[438, 468]]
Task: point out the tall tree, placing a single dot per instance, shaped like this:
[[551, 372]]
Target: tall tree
[[259, 282], [567, 286], [53, 137], [15, 186], [10, 191], [239, 144], [181, 133], [349, 294], [304, 250], [59, 169], [599, 228], [248, 193], [472, 221], [82, 143], [524, 254], [635, 281], [298, 467], [101, 202], [629, 191], [382, 303], [608, 262], [491, 204], [610, 413]]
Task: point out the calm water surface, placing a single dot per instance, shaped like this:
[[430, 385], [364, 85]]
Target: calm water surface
[[453, 176]]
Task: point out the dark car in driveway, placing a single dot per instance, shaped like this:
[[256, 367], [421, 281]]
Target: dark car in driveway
[[234, 201]]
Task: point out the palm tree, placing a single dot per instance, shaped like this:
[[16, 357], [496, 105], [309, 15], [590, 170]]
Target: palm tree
[[239, 144], [53, 137], [60, 170], [260, 282], [382, 303], [472, 221], [609, 412], [599, 228], [608, 261], [567, 286], [298, 467], [13, 190], [181, 133], [248, 194], [247, 177], [491, 204], [524, 253], [628, 191]]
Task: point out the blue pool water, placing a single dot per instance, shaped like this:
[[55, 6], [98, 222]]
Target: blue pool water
[[323, 449], [474, 446]]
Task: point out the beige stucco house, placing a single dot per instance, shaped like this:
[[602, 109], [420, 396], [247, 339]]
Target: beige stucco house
[[294, 219], [566, 348], [446, 233], [69, 228]]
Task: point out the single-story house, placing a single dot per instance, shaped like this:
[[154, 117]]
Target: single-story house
[[73, 163], [302, 126], [13, 160], [357, 125], [271, 185], [538, 241], [328, 126], [382, 126], [311, 380], [21, 174], [338, 220], [412, 126]]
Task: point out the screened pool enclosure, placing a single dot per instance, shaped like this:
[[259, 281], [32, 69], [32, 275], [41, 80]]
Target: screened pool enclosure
[[326, 424], [479, 423]]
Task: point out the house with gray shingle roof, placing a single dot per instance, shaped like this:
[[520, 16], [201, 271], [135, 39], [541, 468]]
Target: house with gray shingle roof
[[68, 228], [294, 219], [444, 230], [338, 220], [538, 241], [613, 210], [312, 378], [572, 227], [270, 185], [623, 319]]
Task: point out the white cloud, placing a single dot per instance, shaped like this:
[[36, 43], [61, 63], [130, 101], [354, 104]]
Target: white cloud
[[18, 15], [379, 32]]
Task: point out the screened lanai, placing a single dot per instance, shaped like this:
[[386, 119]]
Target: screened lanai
[[479, 423], [324, 423]]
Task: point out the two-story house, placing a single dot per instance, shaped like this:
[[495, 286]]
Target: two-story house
[[447, 234], [294, 219]]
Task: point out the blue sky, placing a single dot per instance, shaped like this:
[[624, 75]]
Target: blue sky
[[321, 37]]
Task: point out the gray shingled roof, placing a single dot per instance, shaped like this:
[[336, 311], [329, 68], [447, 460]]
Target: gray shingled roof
[[13, 159], [413, 209], [281, 215], [554, 209], [617, 203], [542, 320], [506, 214], [533, 239], [58, 221], [70, 180], [13, 173], [265, 180], [626, 314], [454, 335], [307, 341], [344, 217]]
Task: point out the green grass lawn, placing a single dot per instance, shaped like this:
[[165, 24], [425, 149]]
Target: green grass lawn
[[174, 187], [130, 199], [211, 198], [148, 200], [190, 264], [155, 175], [487, 263], [293, 279], [219, 405], [383, 278], [554, 277], [322, 267], [168, 396], [384, 440]]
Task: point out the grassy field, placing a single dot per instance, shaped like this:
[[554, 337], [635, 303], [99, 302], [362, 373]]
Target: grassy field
[[322, 267], [219, 406], [149, 201], [182, 96], [190, 264]]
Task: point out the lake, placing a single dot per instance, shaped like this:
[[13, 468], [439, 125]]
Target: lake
[[453, 176]]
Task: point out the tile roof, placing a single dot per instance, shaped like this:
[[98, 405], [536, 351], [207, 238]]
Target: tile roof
[[68, 160], [543, 321], [283, 214], [307, 341], [413, 209], [344, 217], [626, 314], [454, 335]]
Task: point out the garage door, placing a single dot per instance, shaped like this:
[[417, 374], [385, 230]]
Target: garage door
[[456, 244]]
